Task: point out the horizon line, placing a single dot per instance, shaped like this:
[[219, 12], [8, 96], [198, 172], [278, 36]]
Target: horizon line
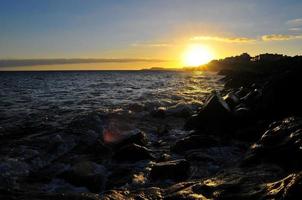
[[60, 61]]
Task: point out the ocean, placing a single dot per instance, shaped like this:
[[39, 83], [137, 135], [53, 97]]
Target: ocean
[[41, 102]]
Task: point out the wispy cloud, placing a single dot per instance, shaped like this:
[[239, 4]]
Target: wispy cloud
[[151, 45], [280, 37], [295, 29], [224, 39], [63, 61], [295, 22]]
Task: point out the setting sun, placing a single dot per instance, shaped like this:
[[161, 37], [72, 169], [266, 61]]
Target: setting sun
[[196, 55]]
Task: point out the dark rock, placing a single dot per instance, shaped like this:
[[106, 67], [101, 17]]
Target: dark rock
[[180, 110], [133, 152], [193, 142], [164, 157], [293, 189], [280, 144], [252, 97], [231, 99], [88, 174], [175, 170], [231, 184], [159, 112], [242, 111], [289, 188], [119, 176], [139, 138], [214, 115]]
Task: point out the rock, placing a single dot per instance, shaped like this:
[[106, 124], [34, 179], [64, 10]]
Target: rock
[[139, 138], [164, 157], [231, 99], [175, 170], [214, 115], [280, 96], [280, 144], [193, 142], [252, 97], [160, 112], [88, 174], [289, 188], [60, 186], [180, 110], [256, 183], [119, 176], [242, 111], [133, 152]]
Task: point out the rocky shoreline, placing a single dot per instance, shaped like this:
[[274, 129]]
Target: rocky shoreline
[[245, 142]]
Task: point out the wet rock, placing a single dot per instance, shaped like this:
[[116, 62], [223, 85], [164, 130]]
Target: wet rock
[[242, 111], [180, 110], [51, 149], [61, 186], [133, 152], [139, 138], [252, 97], [214, 115], [88, 174], [289, 188], [280, 144], [159, 112], [139, 194], [175, 170], [193, 142], [164, 157], [231, 99], [231, 184], [119, 176]]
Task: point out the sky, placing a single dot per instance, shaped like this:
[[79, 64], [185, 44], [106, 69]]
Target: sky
[[134, 34]]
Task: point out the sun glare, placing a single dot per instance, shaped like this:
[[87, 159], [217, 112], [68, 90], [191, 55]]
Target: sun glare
[[196, 55]]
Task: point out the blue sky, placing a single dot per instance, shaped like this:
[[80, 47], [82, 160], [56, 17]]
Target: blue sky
[[128, 28]]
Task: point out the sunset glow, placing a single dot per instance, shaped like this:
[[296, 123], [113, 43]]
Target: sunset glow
[[135, 34], [196, 55]]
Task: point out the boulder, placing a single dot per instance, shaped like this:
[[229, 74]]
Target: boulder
[[87, 174], [180, 110], [175, 170], [160, 112], [252, 97], [132, 152], [289, 188], [280, 144], [139, 138], [214, 115], [231, 99], [193, 142]]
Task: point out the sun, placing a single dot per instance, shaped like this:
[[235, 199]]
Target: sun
[[196, 55]]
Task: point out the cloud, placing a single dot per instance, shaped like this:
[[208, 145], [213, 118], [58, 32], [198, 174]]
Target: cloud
[[63, 61], [295, 29], [225, 39], [280, 37], [151, 45], [295, 22]]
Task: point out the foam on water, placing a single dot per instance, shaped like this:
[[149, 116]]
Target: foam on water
[[45, 101]]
